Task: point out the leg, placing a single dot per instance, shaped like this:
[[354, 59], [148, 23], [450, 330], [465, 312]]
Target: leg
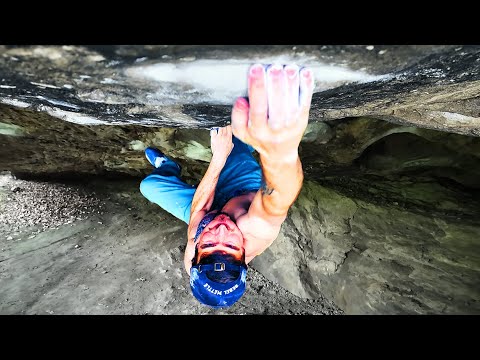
[[164, 188]]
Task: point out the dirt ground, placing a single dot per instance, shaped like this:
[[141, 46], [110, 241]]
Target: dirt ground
[[99, 247]]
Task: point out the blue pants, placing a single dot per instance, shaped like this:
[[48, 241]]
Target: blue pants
[[240, 173]]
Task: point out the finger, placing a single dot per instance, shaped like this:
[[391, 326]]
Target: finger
[[240, 118], [228, 130], [306, 91], [228, 135], [257, 96], [292, 101], [276, 93]]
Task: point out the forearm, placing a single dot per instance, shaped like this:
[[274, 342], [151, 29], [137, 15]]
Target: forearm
[[282, 182], [203, 197]]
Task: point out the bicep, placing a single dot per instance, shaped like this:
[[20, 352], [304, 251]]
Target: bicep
[[261, 228], [257, 210]]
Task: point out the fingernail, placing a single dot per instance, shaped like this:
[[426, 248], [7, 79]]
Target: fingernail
[[291, 71], [275, 69], [306, 73], [256, 70], [241, 104]]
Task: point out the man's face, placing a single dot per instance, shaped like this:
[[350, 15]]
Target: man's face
[[221, 234]]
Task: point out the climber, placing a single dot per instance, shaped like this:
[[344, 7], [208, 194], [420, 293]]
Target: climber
[[237, 209]]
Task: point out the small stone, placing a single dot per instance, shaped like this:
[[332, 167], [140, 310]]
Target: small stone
[[370, 47], [9, 238], [381, 52], [15, 189], [77, 246]]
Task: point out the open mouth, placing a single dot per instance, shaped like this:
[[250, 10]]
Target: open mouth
[[221, 222]]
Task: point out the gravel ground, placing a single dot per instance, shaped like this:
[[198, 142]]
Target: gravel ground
[[49, 205]]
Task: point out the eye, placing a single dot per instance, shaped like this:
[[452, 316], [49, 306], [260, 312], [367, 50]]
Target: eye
[[232, 247]]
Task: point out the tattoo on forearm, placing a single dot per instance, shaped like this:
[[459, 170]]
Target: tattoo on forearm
[[266, 190]]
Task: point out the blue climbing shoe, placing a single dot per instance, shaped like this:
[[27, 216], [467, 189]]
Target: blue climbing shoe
[[155, 157]]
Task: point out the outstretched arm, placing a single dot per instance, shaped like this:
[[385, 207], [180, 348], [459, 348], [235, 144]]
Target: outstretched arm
[[222, 145], [273, 122]]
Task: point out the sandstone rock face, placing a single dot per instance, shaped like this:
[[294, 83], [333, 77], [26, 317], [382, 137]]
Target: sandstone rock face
[[370, 258], [387, 220]]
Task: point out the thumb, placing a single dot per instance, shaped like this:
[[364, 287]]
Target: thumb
[[240, 119]]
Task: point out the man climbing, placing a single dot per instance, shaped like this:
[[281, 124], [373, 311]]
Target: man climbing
[[237, 209]]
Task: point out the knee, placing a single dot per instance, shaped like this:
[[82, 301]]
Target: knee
[[146, 187]]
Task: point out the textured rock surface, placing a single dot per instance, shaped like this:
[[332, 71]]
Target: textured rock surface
[[371, 258], [387, 221], [194, 86]]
